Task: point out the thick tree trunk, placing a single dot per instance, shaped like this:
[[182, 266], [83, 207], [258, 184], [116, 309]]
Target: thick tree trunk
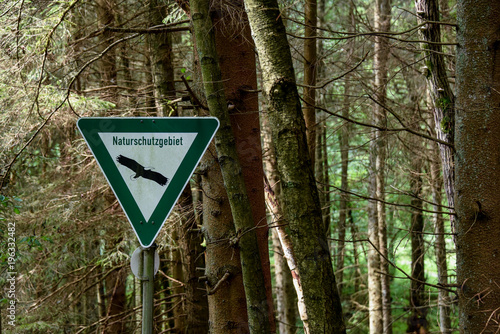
[[302, 208], [245, 238], [227, 306], [477, 158], [239, 79]]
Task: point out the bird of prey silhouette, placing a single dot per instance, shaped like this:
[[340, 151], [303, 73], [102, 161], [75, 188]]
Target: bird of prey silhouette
[[140, 171]]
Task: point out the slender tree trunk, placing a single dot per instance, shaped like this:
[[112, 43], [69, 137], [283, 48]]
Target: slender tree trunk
[[376, 320], [196, 305], [417, 322], [310, 62], [286, 297], [161, 59], [477, 158], [106, 18], [440, 244], [245, 238], [321, 164], [441, 92], [378, 269], [302, 209]]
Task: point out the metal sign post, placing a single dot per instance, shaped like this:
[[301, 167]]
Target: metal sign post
[[147, 161], [148, 289]]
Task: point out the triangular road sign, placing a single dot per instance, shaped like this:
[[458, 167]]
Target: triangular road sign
[[148, 162]]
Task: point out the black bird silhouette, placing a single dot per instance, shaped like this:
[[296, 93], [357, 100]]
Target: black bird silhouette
[[140, 171]]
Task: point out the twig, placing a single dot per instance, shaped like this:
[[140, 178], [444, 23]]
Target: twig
[[218, 284], [403, 272], [340, 76], [389, 203], [193, 95]]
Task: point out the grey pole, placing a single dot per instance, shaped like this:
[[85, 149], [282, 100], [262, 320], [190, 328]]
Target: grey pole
[[148, 289]]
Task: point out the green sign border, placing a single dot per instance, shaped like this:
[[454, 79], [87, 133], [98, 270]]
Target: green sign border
[[205, 127]]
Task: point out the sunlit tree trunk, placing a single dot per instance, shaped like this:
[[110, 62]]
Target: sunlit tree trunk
[[477, 161], [301, 207]]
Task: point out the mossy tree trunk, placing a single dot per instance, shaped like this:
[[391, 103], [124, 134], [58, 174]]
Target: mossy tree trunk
[[477, 159], [237, 62], [301, 205], [441, 92]]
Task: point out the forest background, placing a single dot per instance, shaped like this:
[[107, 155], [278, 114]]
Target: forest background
[[350, 188]]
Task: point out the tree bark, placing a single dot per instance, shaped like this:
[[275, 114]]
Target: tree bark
[[196, 304], [302, 208], [442, 94], [417, 321], [310, 60], [245, 238], [379, 269], [237, 62], [440, 244], [106, 17], [477, 159], [286, 297], [161, 59]]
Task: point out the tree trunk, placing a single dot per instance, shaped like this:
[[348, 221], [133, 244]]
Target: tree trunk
[[106, 18], [286, 297], [245, 237], [237, 62], [417, 322], [196, 307], [440, 244], [376, 320], [302, 209], [442, 94], [310, 60], [116, 302], [477, 159], [161, 59], [379, 269]]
